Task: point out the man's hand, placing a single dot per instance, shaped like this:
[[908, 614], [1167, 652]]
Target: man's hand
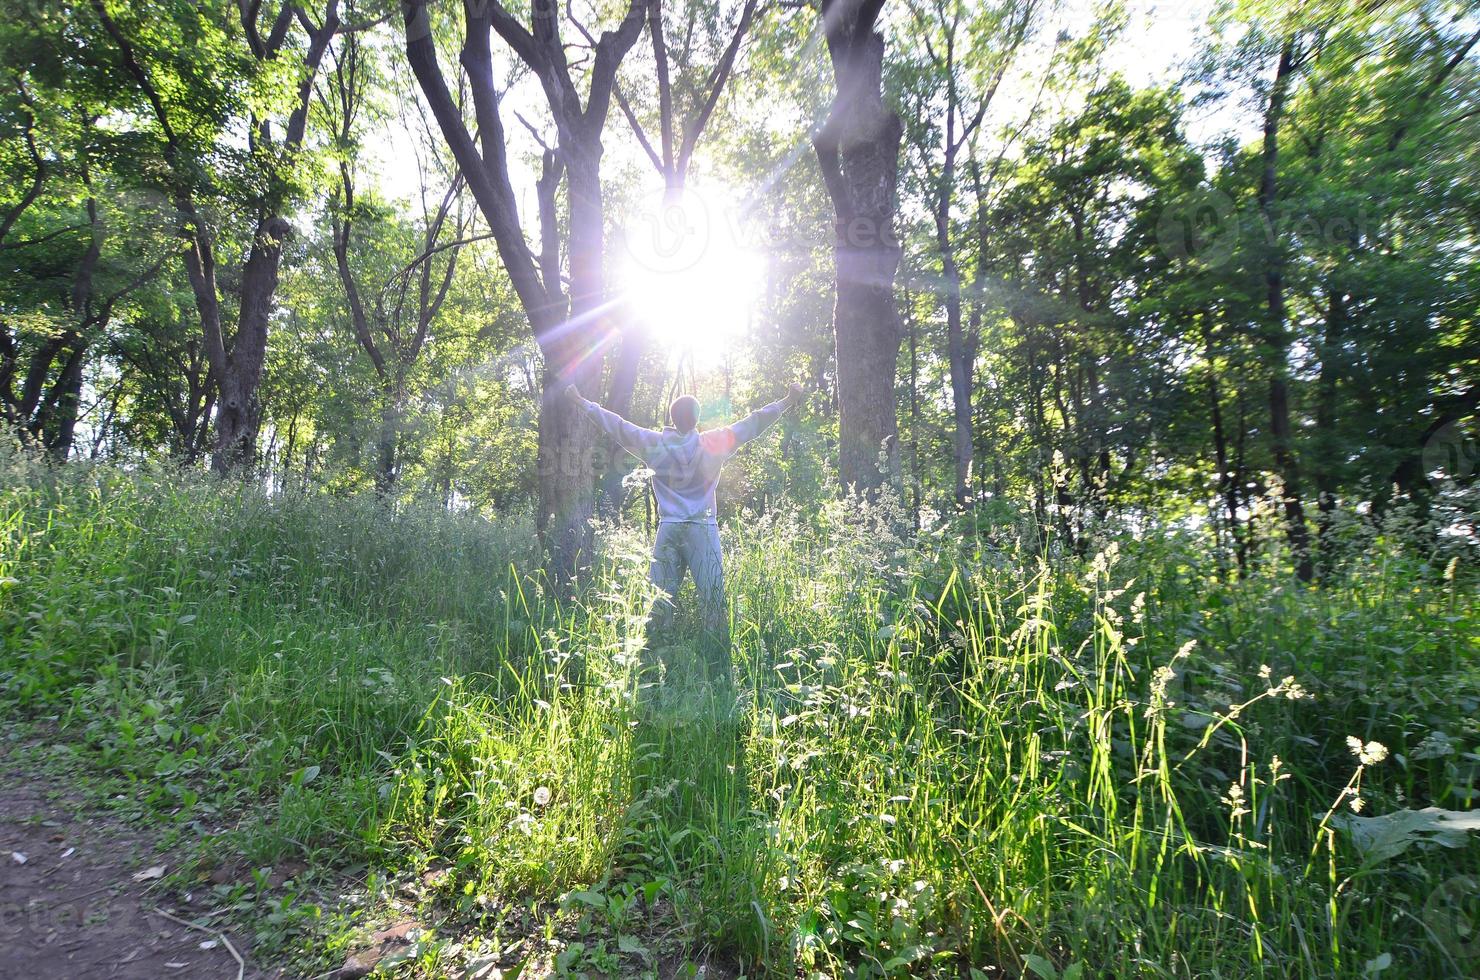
[[797, 393], [572, 394]]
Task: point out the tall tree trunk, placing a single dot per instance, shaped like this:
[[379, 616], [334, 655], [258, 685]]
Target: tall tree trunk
[[388, 439], [958, 350], [239, 412], [59, 429], [573, 348], [1328, 461], [1277, 339], [568, 443], [858, 152], [1227, 481]]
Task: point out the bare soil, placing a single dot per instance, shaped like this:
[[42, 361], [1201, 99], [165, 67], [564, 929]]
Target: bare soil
[[75, 899]]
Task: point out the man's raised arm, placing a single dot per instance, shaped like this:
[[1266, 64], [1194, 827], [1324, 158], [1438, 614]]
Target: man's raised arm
[[633, 438], [762, 419]]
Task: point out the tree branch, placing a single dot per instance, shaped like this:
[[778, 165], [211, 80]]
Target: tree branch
[[642, 139], [716, 83]]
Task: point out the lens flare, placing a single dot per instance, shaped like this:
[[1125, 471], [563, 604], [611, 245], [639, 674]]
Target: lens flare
[[686, 274]]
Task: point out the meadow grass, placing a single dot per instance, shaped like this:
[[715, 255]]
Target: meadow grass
[[949, 755]]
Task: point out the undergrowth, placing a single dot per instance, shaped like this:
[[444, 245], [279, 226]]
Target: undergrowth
[[951, 754]]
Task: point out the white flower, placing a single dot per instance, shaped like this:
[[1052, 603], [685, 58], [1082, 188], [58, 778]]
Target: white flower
[[1234, 800], [1368, 755], [542, 796]]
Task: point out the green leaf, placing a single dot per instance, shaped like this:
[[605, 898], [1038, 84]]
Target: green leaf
[[1041, 966], [1377, 964], [1383, 837], [594, 899], [568, 956]]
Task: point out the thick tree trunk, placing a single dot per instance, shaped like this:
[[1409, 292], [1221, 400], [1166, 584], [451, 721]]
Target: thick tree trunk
[[858, 152], [388, 439], [239, 413], [1277, 340], [572, 355], [866, 329], [567, 450], [60, 428]]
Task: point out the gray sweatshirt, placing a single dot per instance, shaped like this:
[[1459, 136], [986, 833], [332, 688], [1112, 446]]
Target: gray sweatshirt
[[685, 465]]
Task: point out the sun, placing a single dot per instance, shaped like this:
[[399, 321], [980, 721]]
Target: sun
[[684, 271]]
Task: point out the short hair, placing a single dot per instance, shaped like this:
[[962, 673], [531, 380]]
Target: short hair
[[684, 413]]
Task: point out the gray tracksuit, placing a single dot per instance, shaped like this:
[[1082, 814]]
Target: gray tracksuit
[[686, 468]]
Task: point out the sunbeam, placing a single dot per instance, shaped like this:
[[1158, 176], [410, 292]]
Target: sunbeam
[[685, 273]]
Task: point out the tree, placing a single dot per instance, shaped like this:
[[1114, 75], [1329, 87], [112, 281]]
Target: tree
[[1292, 57], [967, 53], [857, 150], [571, 328], [391, 324], [74, 260], [1093, 345], [183, 60]]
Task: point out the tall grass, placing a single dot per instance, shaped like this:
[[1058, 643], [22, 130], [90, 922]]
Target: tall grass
[[949, 755]]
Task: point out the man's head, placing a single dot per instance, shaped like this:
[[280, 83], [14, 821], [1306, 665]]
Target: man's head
[[684, 413]]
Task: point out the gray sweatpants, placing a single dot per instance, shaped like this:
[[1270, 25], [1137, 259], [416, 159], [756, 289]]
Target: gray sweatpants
[[684, 546]]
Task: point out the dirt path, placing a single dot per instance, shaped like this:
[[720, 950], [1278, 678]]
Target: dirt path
[[71, 907]]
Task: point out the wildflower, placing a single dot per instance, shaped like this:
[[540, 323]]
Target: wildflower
[[542, 796], [1264, 671], [1368, 755], [1276, 765], [1357, 803], [1160, 680], [1234, 800]]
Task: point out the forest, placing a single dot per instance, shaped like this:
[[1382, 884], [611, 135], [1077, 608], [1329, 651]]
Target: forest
[[1090, 588]]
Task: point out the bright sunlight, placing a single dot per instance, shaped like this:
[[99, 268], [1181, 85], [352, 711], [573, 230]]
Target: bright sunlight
[[688, 274]]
